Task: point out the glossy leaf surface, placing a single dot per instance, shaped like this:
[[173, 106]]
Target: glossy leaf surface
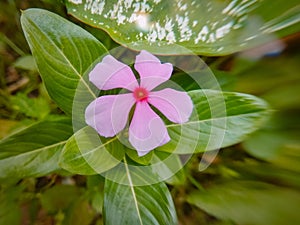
[[63, 53], [205, 27], [34, 151], [151, 204]]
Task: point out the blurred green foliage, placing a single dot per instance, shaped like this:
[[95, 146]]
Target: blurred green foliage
[[256, 182]]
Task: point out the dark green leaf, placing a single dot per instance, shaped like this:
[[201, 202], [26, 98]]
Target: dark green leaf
[[59, 197], [220, 119], [144, 160], [63, 53], [80, 213], [129, 204], [95, 186], [34, 151], [277, 143], [10, 211], [84, 153]]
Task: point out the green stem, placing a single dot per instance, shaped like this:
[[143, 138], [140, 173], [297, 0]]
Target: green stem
[[12, 45], [195, 182]]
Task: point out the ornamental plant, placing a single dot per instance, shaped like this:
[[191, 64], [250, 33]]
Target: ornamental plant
[[147, 130], [137, 113]]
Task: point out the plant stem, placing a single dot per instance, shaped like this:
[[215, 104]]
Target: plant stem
[[12, 45]]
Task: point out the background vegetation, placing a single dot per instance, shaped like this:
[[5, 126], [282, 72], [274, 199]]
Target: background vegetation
[[254, 182]]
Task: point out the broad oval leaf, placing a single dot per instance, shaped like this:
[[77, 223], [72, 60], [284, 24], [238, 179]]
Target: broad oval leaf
[[85, 154], [35, 150], [63, 52], [221, 119], [129, 204], [208, 27]]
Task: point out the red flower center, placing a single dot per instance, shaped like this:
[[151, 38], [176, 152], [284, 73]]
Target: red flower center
[[140, 94]]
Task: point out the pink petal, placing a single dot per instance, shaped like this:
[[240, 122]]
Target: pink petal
[[108, 114], [147, 130], [177, 106], [152, 72], [111, 73]]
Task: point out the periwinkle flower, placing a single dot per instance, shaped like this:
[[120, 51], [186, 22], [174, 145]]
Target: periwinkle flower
[[108, 114]]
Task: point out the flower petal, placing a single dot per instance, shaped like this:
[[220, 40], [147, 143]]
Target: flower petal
[[147, 130], [108, 114], [152, 71], [177, 106], [110, 74]]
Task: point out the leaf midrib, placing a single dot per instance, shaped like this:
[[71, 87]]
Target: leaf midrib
[[36, 150], [63, 56], [133, 191], [210, 119]]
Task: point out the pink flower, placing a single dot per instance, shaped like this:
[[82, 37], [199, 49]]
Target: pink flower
[[108, 114]]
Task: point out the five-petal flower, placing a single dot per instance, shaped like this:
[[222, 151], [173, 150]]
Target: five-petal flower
[[108, 114]]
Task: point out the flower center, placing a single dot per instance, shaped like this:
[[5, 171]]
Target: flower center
[[140, 94]]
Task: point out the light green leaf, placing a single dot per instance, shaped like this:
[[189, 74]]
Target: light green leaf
[[34, 151], [26, 63], [129, 204], [37, 108], [84, 153], [220, 119], [208, 27], [63, 53], [249, 203]]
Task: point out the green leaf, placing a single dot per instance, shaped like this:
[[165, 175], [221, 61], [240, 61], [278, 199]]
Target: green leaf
[[6, 127], [84, 153], [67, 202], [10, 211], [268, 77], [59, 197], [258, 170], [224, 80], [143, 160], [277, 143], [129, 204], [75, 216], [37, 108], [205, 27], [63, 53], [249, 203], [26, 63], [95, 193], [34, 151], [220, 119]]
